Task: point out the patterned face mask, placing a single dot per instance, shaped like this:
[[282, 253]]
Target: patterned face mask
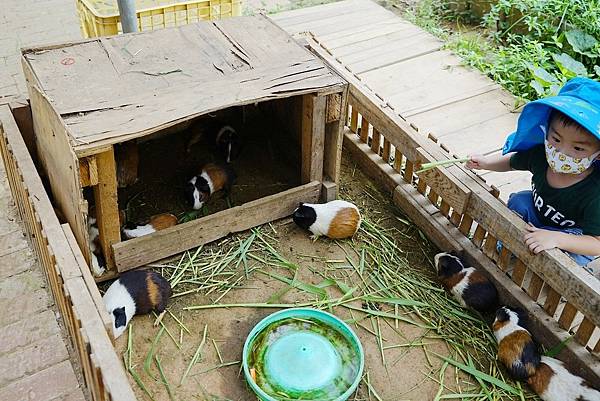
[[561, 163]]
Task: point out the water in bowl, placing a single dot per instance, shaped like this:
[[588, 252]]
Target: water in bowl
[[303, 359]]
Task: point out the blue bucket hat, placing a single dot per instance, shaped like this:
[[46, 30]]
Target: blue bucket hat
[[578, 99]]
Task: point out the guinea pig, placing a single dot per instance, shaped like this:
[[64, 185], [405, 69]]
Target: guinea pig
[[336, 219], [468, 286], [224, 137], [516, 349], [156, 223], [98, 263], [213, 178], [553, 382], [136, 292]]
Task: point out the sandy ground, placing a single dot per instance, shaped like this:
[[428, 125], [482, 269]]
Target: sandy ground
[[404, 377]]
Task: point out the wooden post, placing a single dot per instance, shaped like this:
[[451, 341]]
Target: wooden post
[[107, 208], [313, 137], [334, 139]]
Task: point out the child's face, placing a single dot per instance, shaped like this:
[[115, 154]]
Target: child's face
[[572, 141]]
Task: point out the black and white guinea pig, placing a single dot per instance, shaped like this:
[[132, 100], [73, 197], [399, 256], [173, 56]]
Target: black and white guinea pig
[[223, 136], [156, 223], [136, 292], [213, 178], [516, 349], [468, 286], [553, 382], [336, 219], [98, 263]]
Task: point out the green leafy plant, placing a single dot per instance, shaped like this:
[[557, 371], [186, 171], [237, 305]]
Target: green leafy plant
[[531, 47]]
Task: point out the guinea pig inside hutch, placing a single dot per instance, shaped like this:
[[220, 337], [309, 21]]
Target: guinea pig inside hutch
[[176, 143]]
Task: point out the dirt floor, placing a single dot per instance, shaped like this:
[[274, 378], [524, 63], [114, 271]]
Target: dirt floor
[[400, 357]]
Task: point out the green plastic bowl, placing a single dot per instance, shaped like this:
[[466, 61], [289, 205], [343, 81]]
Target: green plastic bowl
[[301, 360]]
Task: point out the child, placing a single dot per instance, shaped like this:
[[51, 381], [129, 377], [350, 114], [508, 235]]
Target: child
[[557, 140]]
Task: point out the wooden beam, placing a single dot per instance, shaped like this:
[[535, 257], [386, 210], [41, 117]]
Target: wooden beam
[[455, 193], [88, 171], [371, 164], [313, 137], [139, 251], [334, 139], [107, 208], [554, 267]]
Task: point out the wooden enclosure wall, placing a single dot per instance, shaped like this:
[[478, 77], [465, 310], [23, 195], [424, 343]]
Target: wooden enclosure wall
[[457, 210], [69, 278], [59, 161]]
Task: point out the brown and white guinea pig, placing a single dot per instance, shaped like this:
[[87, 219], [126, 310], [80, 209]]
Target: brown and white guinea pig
[[516, 349], [156, 223], [213, 178], [136, 292], [553, 382], [336, 219], [468, 286], [223, 136]]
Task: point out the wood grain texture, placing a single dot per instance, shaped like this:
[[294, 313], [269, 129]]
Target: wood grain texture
[[193, 69], [107, 208], [334, 139], [139, 251], [313, 137]]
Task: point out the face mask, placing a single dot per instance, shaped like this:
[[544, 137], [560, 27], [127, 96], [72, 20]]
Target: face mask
[[562, 163]]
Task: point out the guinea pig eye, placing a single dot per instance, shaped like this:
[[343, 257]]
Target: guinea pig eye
[[120, 317]]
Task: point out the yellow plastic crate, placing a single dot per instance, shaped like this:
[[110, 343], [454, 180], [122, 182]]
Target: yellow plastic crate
[[101, 17]]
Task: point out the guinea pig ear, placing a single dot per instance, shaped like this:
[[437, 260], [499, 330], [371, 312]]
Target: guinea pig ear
[[120, 317]]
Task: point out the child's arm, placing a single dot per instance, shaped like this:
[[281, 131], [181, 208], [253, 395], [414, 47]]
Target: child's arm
[[493, 162], [538, 239]]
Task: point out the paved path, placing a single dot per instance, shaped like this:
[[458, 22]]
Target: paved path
[[34, 361], [411, 71]]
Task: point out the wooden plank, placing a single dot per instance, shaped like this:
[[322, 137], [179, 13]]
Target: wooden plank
[[353, 39], [387, 146], [566, 317], [442, 120], [371, 164], [429, 79], [88, 171], [139, 251], [392, 53], [107, 207], [90, 283], [21, 112], [58, 160], [423, 213], [354, 120], [585, 331], [471, 141], [535, 286], [322, 11], [455, 193], [376, 141], [342, 23], [554, 267], [519, 271], [552, 300], [113, 375], [335, 106], [364, 130], [313, 137], [334, 140]]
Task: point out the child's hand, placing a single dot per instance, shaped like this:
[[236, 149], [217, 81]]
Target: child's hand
[[477, 162], [538, 239]]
